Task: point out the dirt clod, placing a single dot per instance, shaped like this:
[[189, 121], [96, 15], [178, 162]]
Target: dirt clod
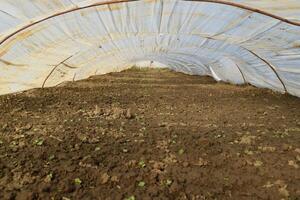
[[104, 178]]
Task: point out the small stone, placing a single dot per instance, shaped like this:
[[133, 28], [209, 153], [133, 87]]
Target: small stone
[[267, 149], [114, 179], [128, 114], [201, 162], [286, 147], [293, 164], [248, 152], [258, 163], [185, 164], [247, 139], [283, 192], [104, 178], [82, 138]]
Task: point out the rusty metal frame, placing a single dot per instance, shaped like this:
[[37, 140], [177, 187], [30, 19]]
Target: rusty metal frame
[[73, 79], [270, 65], [125, 1], [54, 68], [245, 82]]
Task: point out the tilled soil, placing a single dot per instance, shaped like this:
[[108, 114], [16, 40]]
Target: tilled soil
[[149, 134]]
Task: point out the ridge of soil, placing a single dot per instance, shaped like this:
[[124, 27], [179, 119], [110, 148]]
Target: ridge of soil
[[149, 134]]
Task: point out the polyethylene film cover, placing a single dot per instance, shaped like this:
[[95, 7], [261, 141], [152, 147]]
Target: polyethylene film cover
[[44, 43]]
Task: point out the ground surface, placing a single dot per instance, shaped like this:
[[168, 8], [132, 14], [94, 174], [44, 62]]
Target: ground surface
[[149, 134]]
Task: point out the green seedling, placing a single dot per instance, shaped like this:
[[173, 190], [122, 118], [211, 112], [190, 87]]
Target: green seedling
[[141, 184], [168, 182], [130, 198], [51, 157], [97, 149], [49, 178], [38, 142], [50, 175], [181, 151], [77, 181], [142, 164]]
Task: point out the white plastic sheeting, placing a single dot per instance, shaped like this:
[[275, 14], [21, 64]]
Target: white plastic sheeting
[[43, 43], [289, 9]]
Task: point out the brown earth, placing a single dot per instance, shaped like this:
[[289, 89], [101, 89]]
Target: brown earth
[[149, 134]]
